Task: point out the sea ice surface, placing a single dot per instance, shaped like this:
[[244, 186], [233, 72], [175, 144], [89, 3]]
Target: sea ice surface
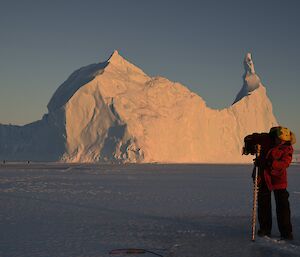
[[174, 210]]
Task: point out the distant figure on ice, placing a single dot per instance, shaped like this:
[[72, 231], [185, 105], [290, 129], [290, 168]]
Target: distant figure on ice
[[275, 158]]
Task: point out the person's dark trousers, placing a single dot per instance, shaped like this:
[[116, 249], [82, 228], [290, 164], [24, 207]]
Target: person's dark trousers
[[283, 212], [264, 209]]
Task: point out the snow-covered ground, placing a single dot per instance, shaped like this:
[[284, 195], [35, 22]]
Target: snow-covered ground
[[174, 210]]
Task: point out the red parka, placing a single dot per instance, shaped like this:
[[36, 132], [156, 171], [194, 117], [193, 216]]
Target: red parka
[[278, 160]]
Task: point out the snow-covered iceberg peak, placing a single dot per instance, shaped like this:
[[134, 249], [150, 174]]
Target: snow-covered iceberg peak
[[116, 58], [115, 64], [248, 64], [250, 78], [116, 61]]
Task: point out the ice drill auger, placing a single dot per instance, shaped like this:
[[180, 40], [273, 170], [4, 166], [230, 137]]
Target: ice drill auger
[[255, 193]]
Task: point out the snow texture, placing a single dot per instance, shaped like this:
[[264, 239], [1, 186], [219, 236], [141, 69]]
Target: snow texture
[[114, 112], [88, 210]]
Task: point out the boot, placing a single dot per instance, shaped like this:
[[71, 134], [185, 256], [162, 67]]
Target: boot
[[288, 237], [263, 233]]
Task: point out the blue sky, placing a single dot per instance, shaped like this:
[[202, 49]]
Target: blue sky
[[198, 43]]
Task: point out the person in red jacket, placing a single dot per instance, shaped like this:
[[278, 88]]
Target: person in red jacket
[[275, 158]]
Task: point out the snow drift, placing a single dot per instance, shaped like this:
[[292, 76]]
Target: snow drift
[[113, 111]]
